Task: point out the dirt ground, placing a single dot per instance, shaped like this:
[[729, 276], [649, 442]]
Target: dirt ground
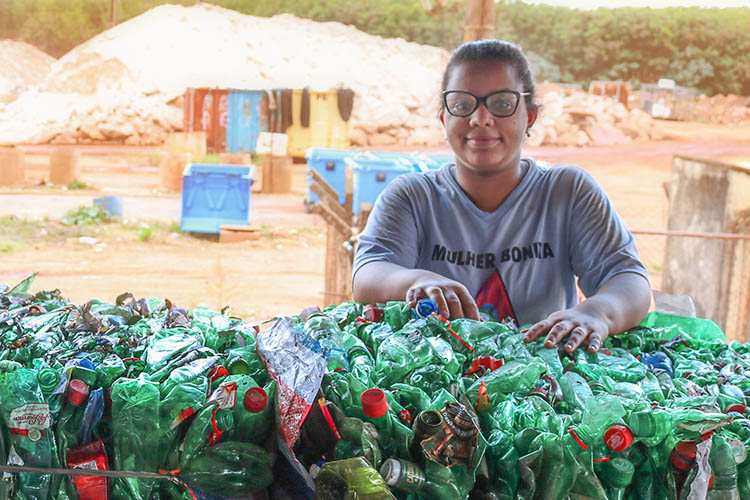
[[282, 272]]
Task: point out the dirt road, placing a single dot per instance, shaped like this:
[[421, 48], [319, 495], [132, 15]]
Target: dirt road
[[282, 272]]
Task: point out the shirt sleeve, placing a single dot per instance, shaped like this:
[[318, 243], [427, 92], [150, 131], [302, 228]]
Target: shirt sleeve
[[391, 234], [600, 244]]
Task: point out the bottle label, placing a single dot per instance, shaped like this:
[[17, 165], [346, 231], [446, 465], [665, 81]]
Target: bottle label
[[29, 420]]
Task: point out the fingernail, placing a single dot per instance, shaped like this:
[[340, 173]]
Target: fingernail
[[594, 347], [570, 346], [524, 330]]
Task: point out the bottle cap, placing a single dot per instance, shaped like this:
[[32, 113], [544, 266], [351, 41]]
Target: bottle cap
[[425, 307], [619, 472], [618, 437], [217, 373], [255, 400], [390, 470], [238, 366], [373, 313], [539, 391], [641, 423], [78, 391], [374, 404], [738, 408], [683, 455]]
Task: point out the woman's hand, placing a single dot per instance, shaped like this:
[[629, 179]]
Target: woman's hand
[[580, 328], [620, 304], [452, 298]]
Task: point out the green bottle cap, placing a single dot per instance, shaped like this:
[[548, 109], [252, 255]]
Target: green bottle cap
[[618, 472], [642, 423], [48, 379], [238, 366]]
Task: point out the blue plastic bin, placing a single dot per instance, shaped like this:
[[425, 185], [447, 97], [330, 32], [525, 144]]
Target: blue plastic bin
[[371, 176], [213, 195], [329, 163], [424, 162], [112, 204]]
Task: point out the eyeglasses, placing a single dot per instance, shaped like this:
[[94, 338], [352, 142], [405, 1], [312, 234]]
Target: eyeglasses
[[501, 104]]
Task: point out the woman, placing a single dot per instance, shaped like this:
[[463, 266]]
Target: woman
[[501, 234]]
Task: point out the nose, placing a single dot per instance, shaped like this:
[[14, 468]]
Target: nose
[[481, 116]]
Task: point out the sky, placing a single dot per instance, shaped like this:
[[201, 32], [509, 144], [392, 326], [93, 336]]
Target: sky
[[583, 4]]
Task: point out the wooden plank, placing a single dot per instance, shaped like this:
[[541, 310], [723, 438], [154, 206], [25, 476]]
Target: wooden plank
[[319, 178], [331, 218], [331, 202]]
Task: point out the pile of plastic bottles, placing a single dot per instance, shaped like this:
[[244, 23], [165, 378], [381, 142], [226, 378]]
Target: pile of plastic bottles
[[138, 385], [417, 407], [400, 403]]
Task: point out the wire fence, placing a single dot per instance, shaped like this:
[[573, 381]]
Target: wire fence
[[733, 313]]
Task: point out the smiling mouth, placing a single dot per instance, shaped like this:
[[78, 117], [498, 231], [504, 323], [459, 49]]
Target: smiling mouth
[[483, 141]]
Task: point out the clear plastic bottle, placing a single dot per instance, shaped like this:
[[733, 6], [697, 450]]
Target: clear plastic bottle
[[724, 468]]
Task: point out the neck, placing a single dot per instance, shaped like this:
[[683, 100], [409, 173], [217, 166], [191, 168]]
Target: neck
[[488, 190]]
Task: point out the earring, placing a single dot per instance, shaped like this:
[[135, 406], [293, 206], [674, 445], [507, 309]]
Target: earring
[[528, 134]]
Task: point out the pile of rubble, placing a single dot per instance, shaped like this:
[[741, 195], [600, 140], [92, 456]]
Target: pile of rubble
[[723, 109], [125, 84], [571, 117], [23, 65]]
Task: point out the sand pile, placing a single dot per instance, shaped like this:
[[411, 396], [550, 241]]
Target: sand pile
[[23, 65], [124, 85]]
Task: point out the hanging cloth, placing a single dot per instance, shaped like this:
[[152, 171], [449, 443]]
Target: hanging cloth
[[304, 115], [286, 109], [345, 99]]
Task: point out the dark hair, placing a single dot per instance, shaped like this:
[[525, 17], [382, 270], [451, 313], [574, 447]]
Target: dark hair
[[493, 50]]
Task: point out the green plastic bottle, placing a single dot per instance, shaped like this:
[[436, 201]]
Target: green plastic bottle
[[207, 429], [350, 479], [408, 476], [724, 468]]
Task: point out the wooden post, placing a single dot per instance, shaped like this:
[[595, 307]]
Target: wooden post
[[276, 174], [64, 165], [11, 166], [339, 239]]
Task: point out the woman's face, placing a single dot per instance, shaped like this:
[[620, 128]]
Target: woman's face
[[483, 143]]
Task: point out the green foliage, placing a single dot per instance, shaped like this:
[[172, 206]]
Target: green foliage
[[705, 48], [78, 185], [86, 215], [145, 232]]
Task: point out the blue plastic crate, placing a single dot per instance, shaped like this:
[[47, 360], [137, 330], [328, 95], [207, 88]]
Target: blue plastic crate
[[213, 195], [425, 162], [371, 176], [329, 163]]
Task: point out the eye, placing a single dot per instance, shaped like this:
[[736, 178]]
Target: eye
[[502, 103]]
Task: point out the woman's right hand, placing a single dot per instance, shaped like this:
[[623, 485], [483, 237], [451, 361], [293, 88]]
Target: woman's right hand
[[452, 298], [383, 281]]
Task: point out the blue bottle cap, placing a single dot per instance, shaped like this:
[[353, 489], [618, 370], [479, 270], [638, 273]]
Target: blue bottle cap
[[425, 307], [658, 360]]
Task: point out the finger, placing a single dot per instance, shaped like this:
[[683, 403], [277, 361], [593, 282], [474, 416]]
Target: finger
[[557, 333], [413, 295], [436, 294], [537, 330], [576, 337], [468, 304], [595, 340], [454, 305]]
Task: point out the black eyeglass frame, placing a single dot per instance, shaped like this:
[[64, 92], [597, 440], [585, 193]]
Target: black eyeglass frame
[[483, 100]]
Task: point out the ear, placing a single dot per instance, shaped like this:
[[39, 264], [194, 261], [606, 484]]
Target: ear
[[531, 115], [442, 118]]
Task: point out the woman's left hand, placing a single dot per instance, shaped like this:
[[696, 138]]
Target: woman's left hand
[[580, 328]]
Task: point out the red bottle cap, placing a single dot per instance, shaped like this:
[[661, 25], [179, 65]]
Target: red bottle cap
[[255, 400], [373, 313], [374, 404], [78, 391], [217, 372], [736, 408], [539, 391], [618, 437], [683, 455]]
